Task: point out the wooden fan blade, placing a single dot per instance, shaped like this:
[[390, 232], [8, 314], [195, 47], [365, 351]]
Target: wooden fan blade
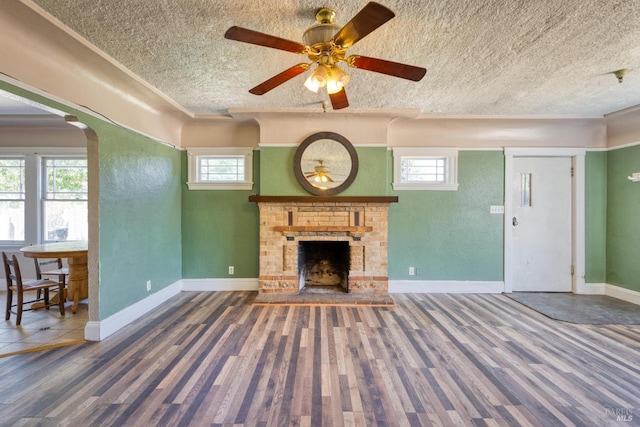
[[368, 19], [278, 79], [339, 100], [253, 37], [390, 68]]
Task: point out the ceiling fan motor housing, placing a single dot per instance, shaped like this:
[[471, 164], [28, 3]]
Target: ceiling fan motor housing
[[323, 32], [320, 34]]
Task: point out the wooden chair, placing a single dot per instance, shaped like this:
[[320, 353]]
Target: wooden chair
[[61, 272], [15, 284]]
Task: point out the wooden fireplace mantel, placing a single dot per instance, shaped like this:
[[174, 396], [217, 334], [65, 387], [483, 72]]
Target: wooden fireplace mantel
[[323, 199], [322, 228]]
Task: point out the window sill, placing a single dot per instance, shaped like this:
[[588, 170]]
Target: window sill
[[427, 187], [220, 185]]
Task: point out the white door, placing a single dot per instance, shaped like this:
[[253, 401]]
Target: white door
[[541, 224]]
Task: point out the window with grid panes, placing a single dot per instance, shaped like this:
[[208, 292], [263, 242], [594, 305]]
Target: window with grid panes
[[425, 169], [64, 199], [12, 199], [220, 168]]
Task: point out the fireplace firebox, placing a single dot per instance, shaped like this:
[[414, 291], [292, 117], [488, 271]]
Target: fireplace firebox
[[323, 266]]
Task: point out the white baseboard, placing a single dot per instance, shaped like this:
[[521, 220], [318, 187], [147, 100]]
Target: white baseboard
[[622, 293], [99, 330], [203, 285], [444, 287], [591, 289]]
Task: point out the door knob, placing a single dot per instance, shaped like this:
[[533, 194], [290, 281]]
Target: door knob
[[514, 221]]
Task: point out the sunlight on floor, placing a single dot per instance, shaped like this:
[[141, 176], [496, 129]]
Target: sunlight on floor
[[41, 328]]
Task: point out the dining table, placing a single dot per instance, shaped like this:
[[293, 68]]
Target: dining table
[[76, 254]]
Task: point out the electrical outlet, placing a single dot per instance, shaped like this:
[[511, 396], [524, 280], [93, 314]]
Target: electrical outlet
[[412, 271], [231, 269], [496, 209], [148, 285]]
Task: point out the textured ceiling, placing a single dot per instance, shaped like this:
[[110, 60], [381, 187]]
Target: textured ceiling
[[490, 57]]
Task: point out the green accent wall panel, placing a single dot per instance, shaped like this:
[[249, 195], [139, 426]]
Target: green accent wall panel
[[450, 235], [276, 172], [278, 179], [140, 216], [140, 211], [220, 228], [595, 216], [623, 227]]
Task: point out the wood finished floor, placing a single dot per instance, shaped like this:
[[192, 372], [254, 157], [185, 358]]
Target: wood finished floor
[[451, 360], [41, 328]]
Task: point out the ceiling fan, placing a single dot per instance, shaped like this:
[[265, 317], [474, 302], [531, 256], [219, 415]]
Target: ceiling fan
[[320, 173], [326, 44]]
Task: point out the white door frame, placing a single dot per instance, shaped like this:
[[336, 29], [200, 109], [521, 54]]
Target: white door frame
[[577, 211]]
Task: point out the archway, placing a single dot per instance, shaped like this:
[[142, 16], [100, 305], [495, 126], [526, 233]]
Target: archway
[[61, 119]]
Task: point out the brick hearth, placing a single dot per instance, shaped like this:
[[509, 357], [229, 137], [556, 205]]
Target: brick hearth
[[285, 221]]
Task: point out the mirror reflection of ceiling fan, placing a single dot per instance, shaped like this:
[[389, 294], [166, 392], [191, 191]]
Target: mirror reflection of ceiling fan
[[325, 45], [320, 173]]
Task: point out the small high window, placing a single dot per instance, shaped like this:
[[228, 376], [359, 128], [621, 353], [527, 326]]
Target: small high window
[[425, 169], [220, 168]]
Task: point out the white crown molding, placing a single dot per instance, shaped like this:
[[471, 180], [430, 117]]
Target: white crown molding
[[624, 111], [628, 145]]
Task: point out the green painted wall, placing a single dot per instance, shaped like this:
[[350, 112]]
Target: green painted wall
[[623, 227], [140, 216], [446, 235], [595, 216], [278, 179], [450, 235], [220, 228], [140, 211]]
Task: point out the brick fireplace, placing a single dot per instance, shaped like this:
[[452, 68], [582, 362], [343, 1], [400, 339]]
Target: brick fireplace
[[286, 221]]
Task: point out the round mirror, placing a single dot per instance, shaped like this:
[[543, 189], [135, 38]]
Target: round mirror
[[325, 163]]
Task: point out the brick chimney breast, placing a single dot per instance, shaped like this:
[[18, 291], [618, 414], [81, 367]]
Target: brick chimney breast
[[285, 221]]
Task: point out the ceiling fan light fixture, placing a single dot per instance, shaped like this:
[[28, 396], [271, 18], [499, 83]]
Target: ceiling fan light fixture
[[317, 79], [339, 76], [337, 79], [312, 84]]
